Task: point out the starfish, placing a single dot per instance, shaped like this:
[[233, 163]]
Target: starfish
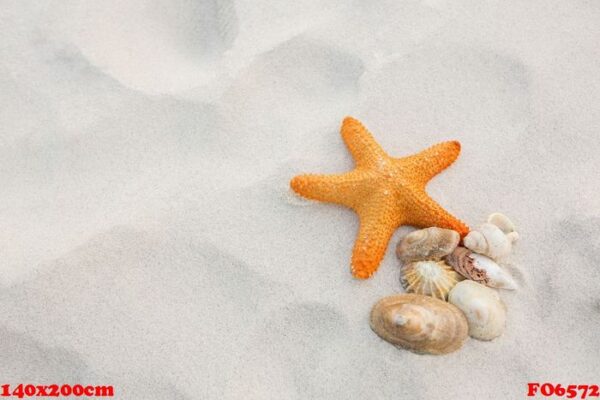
[[385, 192]]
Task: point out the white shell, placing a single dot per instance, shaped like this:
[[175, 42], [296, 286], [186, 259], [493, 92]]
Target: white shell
[[497, 276], [489, 240], [485, 312], [502, 222]]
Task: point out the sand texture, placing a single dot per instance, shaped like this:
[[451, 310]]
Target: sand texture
[[148, 237]]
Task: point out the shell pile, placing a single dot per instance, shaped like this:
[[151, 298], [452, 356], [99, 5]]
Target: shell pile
[[436, 268]]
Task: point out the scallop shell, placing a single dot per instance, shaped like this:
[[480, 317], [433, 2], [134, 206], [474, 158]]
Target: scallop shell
[[485, 312], [502, 222], [419, 323], [427, 244], [480, 269], [489, 240], [430, 278]]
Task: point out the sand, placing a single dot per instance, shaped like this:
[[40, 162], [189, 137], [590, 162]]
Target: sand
[[148, 237]]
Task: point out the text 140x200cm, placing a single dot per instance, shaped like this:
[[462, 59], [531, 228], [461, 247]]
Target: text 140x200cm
[[30, 390]]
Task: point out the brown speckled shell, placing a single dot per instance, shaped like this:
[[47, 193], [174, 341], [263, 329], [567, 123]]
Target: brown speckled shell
[[462, 263], [427, 244], [419, 323]]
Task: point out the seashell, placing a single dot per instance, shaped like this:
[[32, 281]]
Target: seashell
[[430, 278], [480, 269], [505, 224], [488, 240], [427, 244], [512, 236], [462, 263], [485, 312], [419, 323]]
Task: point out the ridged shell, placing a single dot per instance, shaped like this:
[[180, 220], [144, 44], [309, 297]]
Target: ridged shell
[[480, 269], [427, 244], [488, 240], [419, 323], [485, 312], [430, 278]]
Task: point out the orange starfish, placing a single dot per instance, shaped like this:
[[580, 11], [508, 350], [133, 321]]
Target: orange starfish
[[385, 192]]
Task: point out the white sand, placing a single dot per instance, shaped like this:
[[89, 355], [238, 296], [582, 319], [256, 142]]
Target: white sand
[[148, 239]]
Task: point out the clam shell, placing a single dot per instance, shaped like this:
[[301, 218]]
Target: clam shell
[[419, 323], [488, 240], [480, 269], [427, 244], [430, 278], [485, 312]]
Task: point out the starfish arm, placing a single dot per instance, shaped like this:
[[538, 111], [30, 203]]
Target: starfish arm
[[361, 144], [429, 213], [340, 188], [430, 162], [376, 229]]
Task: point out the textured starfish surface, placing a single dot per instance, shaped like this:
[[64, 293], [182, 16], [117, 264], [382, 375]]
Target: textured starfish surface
[[385, 192]]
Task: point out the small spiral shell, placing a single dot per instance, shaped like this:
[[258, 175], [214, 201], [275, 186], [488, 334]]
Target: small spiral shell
[[502, 222], [489, 240]]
